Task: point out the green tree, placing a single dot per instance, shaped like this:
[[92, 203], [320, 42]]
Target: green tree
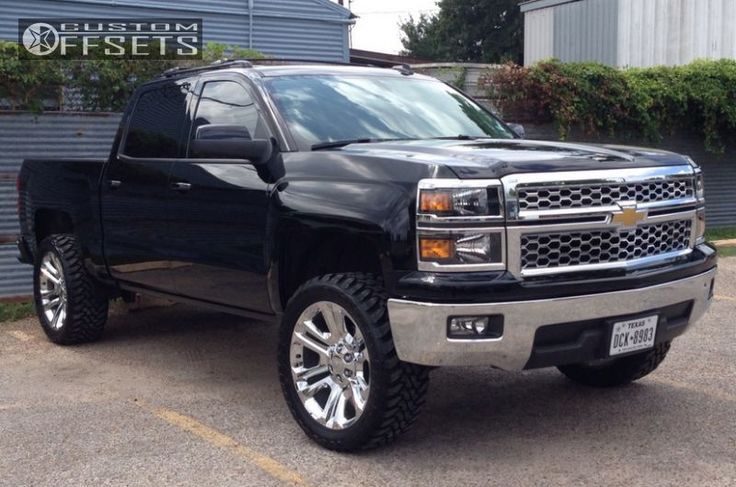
[[489, 31]]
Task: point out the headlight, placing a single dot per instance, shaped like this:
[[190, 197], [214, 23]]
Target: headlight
[[461, 247], [460, 202], [460, 225]]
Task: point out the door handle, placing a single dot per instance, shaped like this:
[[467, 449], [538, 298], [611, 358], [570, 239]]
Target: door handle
[[114, 183], [181, 186]]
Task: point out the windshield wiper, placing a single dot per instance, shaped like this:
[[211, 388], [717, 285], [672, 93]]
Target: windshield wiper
[[335, 144], [342, 143]]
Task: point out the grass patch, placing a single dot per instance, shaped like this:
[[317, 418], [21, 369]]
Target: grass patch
[[720, 233], [727, 252], [15, 311]]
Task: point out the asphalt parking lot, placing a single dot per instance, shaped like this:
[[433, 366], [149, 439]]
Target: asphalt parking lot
[[179, 396]]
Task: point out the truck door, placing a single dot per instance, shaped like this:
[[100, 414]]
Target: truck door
[[219, 207], [135, 189]]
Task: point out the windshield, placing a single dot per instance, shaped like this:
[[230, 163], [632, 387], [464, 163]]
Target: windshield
[[323, 108]]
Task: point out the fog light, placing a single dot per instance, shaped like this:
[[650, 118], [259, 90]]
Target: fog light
[[473, 327]]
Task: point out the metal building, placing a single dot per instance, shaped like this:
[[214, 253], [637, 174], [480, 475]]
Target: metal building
[[313, 29], [629, 33]]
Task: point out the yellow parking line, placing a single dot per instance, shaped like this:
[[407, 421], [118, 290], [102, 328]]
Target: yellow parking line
[[688, 387], [214, 437], [20, 335], [725, 298]]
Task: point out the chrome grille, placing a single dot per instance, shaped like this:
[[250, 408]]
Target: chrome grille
[[562, 249], [580, 195]]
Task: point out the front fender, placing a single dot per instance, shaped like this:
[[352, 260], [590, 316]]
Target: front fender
[[371, 220]]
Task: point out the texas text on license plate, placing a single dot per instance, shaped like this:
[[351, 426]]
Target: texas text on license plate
[[632, 335]]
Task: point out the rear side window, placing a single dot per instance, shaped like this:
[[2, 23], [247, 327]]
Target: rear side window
[[157, 122], [228, 103]]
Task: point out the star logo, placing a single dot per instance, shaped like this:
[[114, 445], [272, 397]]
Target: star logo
[[40, 39]]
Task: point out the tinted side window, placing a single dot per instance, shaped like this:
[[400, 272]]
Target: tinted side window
[[228, 103], [157, 122]]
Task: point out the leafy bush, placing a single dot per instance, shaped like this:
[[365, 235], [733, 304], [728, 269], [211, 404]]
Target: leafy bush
[[651, 102], [103, 84], [25, 84]]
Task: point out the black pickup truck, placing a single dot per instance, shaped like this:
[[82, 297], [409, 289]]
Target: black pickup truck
[[387, 222]]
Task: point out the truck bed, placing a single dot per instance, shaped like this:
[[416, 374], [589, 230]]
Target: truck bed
[[65, 187]]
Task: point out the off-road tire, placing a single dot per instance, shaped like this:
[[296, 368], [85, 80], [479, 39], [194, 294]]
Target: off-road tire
[[397, 388], [619, 372], [86, 306]]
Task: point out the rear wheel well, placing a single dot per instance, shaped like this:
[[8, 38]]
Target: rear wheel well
[[50, 222], [325, 254]]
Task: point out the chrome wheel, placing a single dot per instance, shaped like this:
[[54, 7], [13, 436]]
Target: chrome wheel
[[330, 365], [53, 291]]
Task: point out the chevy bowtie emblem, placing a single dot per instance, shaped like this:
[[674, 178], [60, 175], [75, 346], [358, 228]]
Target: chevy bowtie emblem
[[629, 216]]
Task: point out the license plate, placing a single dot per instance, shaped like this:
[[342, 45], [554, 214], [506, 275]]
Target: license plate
[[633, 335]]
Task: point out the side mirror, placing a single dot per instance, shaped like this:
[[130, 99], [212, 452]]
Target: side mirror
[[518, 129], [258, 151], [219, 132]]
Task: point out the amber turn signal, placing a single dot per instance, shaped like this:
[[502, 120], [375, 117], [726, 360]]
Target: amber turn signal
[[435, 202], [432, 249]]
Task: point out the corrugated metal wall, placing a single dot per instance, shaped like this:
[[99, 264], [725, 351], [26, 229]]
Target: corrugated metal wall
[[315, 29], [8, 214], [27, 135], [16, 280], [586, 31], [305, 39], [538, 35], [635, 33], [720, 192], [674, 32], [22, 136]]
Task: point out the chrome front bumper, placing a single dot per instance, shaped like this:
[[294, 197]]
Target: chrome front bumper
[[420, 329]]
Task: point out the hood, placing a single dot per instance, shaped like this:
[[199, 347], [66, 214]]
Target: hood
[[493, 158]]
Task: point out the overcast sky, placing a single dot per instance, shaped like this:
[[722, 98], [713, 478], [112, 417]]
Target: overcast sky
[[377, 29]]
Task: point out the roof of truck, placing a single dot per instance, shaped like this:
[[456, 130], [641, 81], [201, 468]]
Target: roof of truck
[[277, 67], [301, 69]]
